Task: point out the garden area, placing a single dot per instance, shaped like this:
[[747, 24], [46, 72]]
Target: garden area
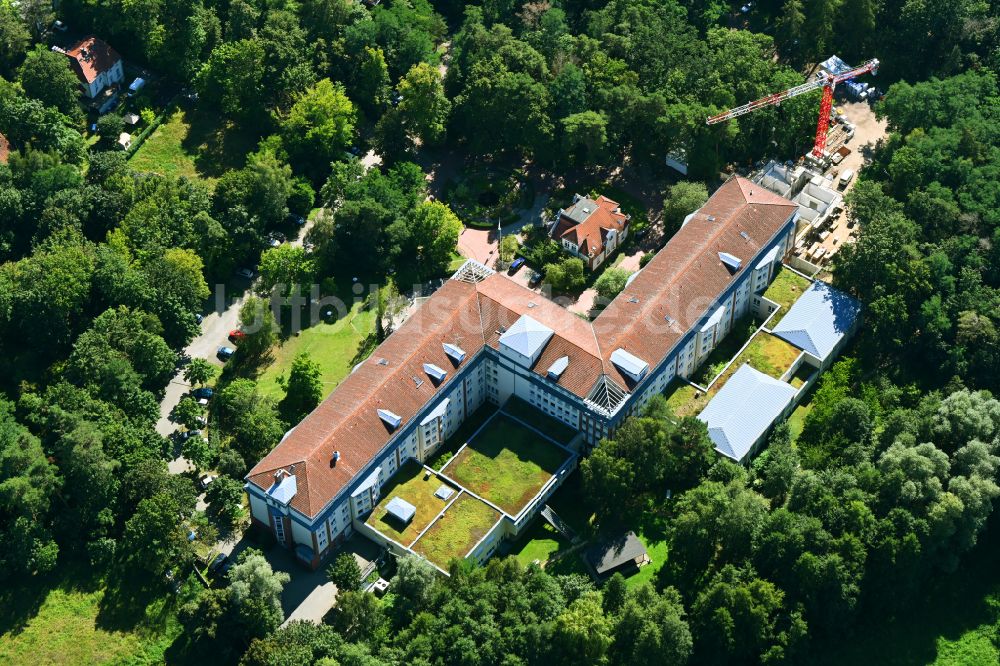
[[414, 485], [195, 145], [506, 463], [455, 533], [784, 290]]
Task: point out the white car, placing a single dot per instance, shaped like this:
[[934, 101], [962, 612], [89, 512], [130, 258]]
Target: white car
[[205, 481], [244, 273], [845, 178]]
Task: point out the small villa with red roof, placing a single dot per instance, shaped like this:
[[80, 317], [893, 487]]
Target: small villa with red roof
[[591, 229], [97, 65]]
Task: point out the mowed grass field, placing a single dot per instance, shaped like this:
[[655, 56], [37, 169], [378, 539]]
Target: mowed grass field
[[506, 463], [333, 346], [195, 145], [68, 623], [409, 484], [461, 527]]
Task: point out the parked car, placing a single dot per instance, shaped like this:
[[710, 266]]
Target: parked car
[[845, 178], [188, 434], [516, 265], [203, 392], [534, 279], [244, 273], [205, 481], [225, 353], [59, 26], [275, 239], [198, 317], [219, 560], [236, 336]]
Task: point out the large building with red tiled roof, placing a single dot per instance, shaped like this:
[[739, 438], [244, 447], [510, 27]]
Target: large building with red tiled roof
[[482, 338], [96, 64], [591, 229]]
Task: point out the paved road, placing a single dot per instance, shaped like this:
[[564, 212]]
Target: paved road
[[215, 328]]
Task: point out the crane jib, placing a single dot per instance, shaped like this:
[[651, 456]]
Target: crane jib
[[826, 80]]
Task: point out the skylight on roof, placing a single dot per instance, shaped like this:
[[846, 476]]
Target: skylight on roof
[[455, 352], [732, 262], [391, 419], [434, 372], [745, 235]]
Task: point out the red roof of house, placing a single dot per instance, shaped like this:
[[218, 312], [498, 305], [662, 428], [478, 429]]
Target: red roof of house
[[4, 149], [90, 57], [590, 234], [681, 281]]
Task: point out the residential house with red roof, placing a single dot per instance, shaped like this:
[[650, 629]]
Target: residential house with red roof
[[482, 338], [591, 229], [97, 65]]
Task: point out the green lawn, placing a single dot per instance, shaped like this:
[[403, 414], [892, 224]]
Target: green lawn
[[413, 484], [193, 144], [797, 419], [657, 549], [333, 346], [684, 399], [64, 619], [784, 290], [507, 464], [539, 543], [461, 527]]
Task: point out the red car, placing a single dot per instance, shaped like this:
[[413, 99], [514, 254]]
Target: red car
[[236, 335]]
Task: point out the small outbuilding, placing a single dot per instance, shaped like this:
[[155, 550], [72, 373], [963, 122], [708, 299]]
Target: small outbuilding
[[125, 140], [623, 553], [401, 510]]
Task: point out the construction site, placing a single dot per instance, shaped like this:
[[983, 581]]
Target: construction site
[[846, 131]]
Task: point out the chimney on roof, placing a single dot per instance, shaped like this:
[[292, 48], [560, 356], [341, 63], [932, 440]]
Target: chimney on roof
[[334, 458]]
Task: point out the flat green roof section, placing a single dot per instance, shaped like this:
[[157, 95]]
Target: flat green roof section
[[506, 463]]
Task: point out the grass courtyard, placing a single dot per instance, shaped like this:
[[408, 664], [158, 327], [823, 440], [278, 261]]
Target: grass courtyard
[[454, 534], [767, 353], [784, 290], [414, 485], [506, 463]]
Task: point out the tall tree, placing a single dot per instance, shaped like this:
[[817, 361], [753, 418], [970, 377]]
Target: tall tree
[[46, 76], [303, 389]]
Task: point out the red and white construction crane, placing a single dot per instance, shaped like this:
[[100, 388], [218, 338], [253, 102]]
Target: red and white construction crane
[[823, 80]]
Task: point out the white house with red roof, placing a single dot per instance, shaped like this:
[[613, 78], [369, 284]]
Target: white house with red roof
[[591, 229], [97, 65]]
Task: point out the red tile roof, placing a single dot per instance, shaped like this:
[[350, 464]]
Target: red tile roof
[[90, 57], [4, 149], [589, 235], [682, 280], [687, 276]]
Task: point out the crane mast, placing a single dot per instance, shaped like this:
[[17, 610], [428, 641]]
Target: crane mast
[[824, 80]]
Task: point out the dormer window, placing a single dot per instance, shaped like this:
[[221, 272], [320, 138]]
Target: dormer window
[[454, 352], [391, 419], [436, 373]]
